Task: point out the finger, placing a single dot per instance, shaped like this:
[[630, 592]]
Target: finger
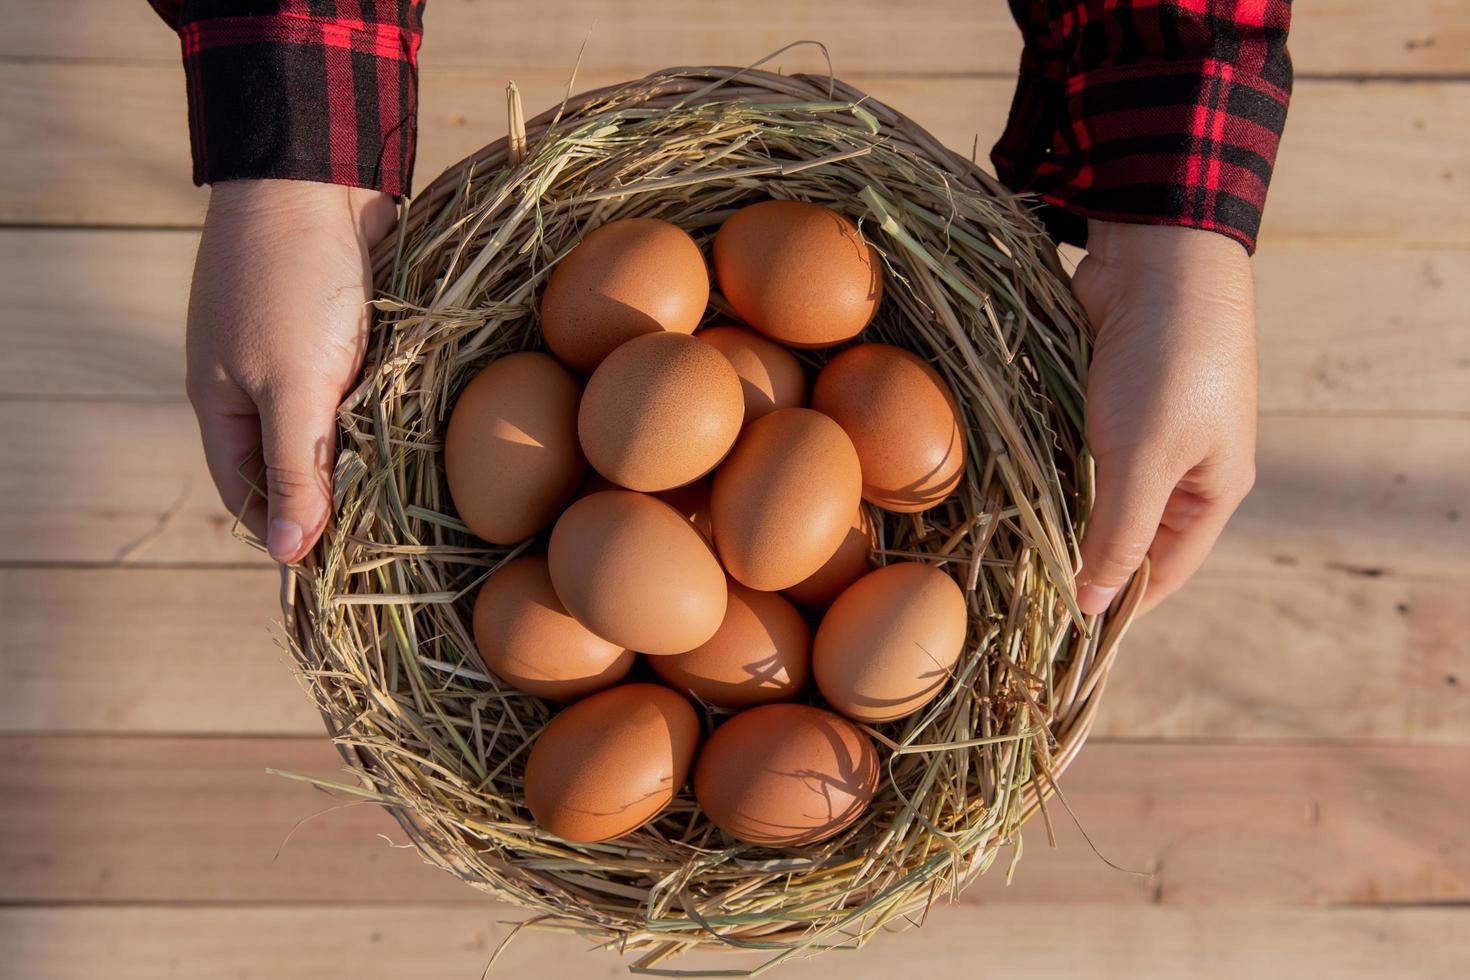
[[297, 438], [1128, 506], [229, 440], [1179, 549]]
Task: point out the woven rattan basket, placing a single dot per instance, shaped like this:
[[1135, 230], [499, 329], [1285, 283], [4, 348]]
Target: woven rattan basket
[[378, 616]]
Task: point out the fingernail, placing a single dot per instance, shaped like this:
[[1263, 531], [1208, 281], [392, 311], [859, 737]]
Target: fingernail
[[284, 539], [1094, 599]]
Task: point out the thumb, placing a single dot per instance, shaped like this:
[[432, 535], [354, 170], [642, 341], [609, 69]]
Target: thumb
[[1129, 504], [298, 435]]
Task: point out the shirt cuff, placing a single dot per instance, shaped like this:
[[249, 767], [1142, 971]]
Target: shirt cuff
[[1184, 143], [296, 96]]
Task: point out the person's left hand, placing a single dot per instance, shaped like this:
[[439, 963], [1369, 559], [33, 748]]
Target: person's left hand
[[1171, 402]]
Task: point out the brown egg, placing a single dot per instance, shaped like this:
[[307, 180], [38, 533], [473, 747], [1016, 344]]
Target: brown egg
[[636, 573], [853, 560], [889, 643], [660, 411], [902, 418], [528, 639], [761, 653], [799, 273], [511, 455], [610, 763], [626, 278], [785, 775], [770, 375], [783, 501]]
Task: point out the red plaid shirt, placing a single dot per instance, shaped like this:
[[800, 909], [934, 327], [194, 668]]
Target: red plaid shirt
[[1153, 111], [1148, 111], [305, 89]]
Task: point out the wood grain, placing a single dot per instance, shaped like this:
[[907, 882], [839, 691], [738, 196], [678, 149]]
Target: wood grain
[[1363, 496], [124, 483], [95, 314], [146, 650], [93, 144], [199, 819], [1298, 656], [1328, 37], [456, 941], [99, 314], [110, 483], [1301, 656]]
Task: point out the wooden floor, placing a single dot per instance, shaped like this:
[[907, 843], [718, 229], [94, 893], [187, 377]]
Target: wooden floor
[[1285, 749]]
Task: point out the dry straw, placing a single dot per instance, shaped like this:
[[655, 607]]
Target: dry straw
[[379, 616]]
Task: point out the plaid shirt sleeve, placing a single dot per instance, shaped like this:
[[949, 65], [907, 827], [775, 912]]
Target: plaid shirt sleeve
[[1148, 111], [323, 90]]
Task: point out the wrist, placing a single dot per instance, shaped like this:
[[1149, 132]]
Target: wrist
[[1123, 243], [306, 204]]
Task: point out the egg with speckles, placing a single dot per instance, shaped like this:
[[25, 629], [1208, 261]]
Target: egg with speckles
[[659, 412], [889, 644], [637, 573], [626, 278], [526, 637], [783, 501], [511, 455], [800, 273], [610, 763], [786, 775]]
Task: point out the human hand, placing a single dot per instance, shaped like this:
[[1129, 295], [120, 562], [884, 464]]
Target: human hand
[[277, 328], [1171, 402]]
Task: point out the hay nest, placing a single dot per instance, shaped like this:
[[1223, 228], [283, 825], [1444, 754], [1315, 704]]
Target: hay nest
[[379, 616]]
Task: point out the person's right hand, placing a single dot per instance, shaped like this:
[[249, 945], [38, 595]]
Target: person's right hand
[[278, 321]]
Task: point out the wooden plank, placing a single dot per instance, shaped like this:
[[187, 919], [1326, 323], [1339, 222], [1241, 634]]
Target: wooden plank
[[198, 819], [125, 483], [1315, 655], [95, 314], [1328, 37], [146, 650], [1097, 942], [1361, 496], [1329, 344], [1382, 162], [99, 314], [195, 819], [110, 483]]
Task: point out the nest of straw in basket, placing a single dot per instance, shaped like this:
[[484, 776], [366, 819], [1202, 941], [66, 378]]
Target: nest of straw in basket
[[379, 616]]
